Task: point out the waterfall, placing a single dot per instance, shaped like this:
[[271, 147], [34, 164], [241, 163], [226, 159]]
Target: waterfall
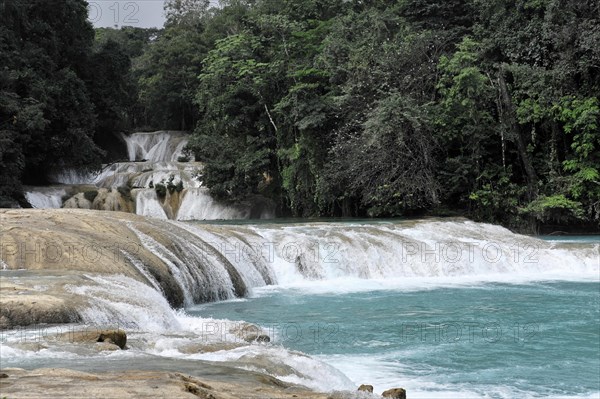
[[218, 262], [147, 204], [212, 262], [305, 253], [121, 271], [155, 147], [199, 205], [153, 161], [46, 197]]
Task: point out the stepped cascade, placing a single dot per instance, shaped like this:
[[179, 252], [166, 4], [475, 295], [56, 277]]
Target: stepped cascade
[[158, 181], [189, 263], [93, 268]]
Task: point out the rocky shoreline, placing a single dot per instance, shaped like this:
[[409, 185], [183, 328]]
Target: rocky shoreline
[[16, 383], [66, 383]]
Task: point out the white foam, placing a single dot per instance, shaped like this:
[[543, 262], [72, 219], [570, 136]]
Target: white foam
[[124, 302], [347, 258], [197, 204], [45, 197], [146, 204], [383, 374], [155, 146], [284, 364]]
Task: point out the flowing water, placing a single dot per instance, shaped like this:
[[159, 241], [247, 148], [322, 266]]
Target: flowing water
[[154, 158], [444, 308], [473, 340]]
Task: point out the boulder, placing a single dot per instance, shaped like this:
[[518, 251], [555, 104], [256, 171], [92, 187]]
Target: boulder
[[249, 333], [114, 337], [366, 388], [66, 245], [257, 338], [106, 346], [209, 347], [395, 393], [23, 305], [117, 337]]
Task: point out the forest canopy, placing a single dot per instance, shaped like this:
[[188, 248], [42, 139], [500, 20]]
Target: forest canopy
[[378, 108]]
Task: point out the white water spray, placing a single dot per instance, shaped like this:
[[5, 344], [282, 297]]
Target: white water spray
[[153, 160]]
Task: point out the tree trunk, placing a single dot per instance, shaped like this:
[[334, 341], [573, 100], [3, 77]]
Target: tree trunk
[[509, 118]]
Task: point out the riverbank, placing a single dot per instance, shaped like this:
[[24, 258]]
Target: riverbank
[[65, 383]]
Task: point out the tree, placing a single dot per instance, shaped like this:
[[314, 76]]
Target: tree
[[235, 137], [47, 119], [168, 70]]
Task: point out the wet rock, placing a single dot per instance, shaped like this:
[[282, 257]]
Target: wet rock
[[366, 388], [249, 333], [65, 241], [257, 338], [190, 349], [117, 337], [23, 306], [106, 346], [30, 346], [109, 337], [395, 393], [3, 375], [78, 201], [132, 384]]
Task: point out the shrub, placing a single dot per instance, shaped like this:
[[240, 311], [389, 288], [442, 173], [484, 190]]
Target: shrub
[[125, 192], [90, 195], [161, 190]]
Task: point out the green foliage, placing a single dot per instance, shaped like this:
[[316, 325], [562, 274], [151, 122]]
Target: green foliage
[[90, 195], [167, 71], [169, 185], [556, 208], [496, 198], [468, 130], [235, 136], [329, 107], [389, 165], [125, 192], [111, 90], [47, 116], [581, 119], [161, 190]]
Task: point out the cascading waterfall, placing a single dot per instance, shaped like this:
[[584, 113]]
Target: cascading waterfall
[[302, 253], [187, 264], [154, 160], [216, 262], [123, 302], [45, 198], [155, 147]]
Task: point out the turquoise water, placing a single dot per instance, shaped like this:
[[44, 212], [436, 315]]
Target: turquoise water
[[493, 340], [443, 308]]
